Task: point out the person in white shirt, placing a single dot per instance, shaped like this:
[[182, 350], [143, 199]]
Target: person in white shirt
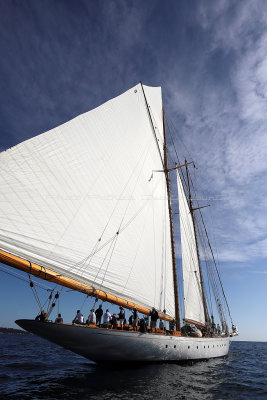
[[79, 319], [92, 317], [107, 318]]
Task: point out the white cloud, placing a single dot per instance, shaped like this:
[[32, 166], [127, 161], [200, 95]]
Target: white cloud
[[260, 272], [224, 123]]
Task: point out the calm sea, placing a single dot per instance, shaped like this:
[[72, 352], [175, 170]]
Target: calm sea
[[32, 368]]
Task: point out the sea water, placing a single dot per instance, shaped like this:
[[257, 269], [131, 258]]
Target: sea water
[[32, 368]]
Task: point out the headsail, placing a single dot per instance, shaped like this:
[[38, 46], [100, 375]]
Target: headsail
[[79, 200], [193, 299]]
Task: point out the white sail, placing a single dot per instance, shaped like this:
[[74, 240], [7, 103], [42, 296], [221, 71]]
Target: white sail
[[81, 200], [193, 303]]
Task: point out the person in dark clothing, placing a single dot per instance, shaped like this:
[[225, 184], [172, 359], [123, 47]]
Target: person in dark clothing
[[135, 319], [143, 327], [154, 317], [121, 317], [59, 319], [131, 320], [172, 325], [41, 317], [186, 330], [113, 322], [99, 313]]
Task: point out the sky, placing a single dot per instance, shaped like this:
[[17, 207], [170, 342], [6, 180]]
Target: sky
[[62, 58]]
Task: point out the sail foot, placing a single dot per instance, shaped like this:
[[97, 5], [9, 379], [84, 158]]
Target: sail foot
[[51, 276], [190, 321]]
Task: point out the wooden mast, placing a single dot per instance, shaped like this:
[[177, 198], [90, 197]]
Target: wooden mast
[[51, 276], [196, 241], [175, 281], [165, 170]]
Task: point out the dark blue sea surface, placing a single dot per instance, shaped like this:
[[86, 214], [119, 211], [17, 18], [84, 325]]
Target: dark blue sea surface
[[32, 368]]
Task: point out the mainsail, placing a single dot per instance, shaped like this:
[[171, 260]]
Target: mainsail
[[193, 297], [82, 200]]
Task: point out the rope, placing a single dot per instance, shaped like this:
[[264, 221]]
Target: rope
[[137, 249], [114, 239], [22, 278], [49, 310], [81, 307], [214, 261], [35, 294], [112, 250]]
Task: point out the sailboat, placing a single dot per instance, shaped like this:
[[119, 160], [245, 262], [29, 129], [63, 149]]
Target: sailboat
[[88, 206]]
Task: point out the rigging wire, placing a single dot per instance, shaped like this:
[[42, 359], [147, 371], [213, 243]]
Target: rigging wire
[[135, 256], [35, 294], [123, 217], [180, 282], [214, 261], [172, 130], [180, 138], [217, 270], [49, 309], [86, 297], [202, 243], [127, 206], [23, 278], [144, 153], [212, 254], [199, 227], [111, 254], [113, 242], [190, 241], [142, 159]]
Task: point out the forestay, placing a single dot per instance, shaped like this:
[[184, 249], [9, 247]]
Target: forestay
[[81, 200], [193, 303]]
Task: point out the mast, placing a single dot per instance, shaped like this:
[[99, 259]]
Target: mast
[[165, 167], [175, 282], [197, 248]]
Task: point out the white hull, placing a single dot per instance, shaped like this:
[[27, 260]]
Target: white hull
[[105, 345]]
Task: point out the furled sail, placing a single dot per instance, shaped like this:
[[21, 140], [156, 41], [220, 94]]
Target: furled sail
[[82, 200], [193, 303]]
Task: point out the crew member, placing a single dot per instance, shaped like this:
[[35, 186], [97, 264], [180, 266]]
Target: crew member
[[79, 318], [135, 318], [121, 316], [92, 317], [107, 318], [99, 313], [59, 319], [154, 317]]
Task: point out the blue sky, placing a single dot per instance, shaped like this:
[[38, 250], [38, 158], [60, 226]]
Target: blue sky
[[62, 58]]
